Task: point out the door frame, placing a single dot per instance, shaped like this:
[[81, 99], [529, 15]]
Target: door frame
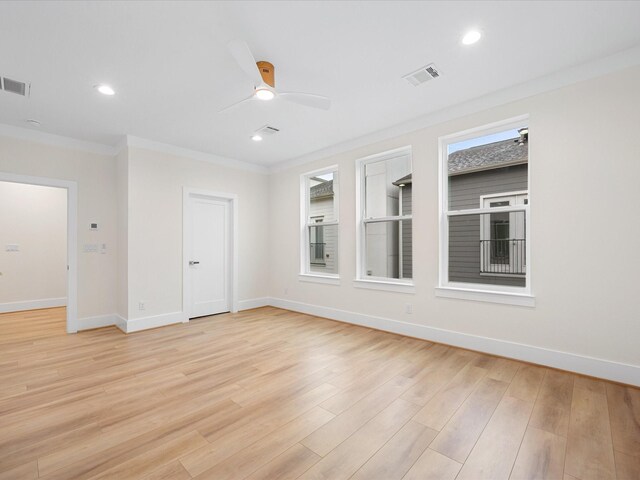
[[72, 236], [232, 199]]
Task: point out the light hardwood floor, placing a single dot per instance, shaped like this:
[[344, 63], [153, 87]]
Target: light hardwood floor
[[269, 394]]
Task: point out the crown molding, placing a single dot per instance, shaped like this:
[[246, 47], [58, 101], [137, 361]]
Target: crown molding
[[56, 140], [126, 141], [586, 71], [137, 142]]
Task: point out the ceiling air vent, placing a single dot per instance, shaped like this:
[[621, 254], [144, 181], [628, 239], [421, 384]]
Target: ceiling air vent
[[14, 86], [422, 75], [267, 130]]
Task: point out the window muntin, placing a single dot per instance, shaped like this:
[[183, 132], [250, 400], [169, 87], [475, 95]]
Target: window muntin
[[319, 237], [385, 245], [485, 210]]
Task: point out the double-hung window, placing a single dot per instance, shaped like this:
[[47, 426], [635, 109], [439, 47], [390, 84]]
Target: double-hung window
[[485, 214], [384, 186], [319, 225]]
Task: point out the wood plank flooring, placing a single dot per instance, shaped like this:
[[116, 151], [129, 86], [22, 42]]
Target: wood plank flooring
[[273, 394]]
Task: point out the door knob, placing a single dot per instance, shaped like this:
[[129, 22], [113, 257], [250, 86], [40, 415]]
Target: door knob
[[191, 262]]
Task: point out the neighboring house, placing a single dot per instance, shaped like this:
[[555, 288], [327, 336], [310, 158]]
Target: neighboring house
[[383, 198], [492, 249], [323, 240], [406, 232]]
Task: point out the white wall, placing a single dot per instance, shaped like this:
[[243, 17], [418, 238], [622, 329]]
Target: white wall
[[95, 176], [585, 168], [34, 218], [156, 182]]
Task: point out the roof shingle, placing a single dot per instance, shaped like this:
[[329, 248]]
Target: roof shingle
[[491, 155], [324, 189]]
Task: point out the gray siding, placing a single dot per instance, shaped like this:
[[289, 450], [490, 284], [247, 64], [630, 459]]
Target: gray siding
[[464, 232], [407, 233]]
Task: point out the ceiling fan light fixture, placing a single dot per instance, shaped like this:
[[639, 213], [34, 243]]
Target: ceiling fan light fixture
[[264, 94]]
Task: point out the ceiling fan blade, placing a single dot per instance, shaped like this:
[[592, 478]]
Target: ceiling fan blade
[[240, 51], [307, 99], [236, 104]]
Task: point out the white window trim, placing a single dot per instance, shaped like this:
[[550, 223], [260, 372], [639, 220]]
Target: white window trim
[[362, 280], [386, 284], [319, 278], [306, 275], [522, 296]]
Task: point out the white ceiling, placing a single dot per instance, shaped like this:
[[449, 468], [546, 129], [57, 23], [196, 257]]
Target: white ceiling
[[169, 64]]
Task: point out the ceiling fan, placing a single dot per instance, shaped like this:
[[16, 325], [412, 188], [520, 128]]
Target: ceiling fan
[[262, 75]]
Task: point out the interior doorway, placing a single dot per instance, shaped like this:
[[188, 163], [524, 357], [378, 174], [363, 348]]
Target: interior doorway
[[70, 282], [209, 253]]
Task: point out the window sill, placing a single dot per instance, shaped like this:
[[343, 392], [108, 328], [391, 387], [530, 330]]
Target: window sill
[[313, 278], [503, 275], [389, 286], [506, 298]]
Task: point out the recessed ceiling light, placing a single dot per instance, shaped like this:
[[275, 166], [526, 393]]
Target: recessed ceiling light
[[105, 89], [34, 123], [256, 138], [471, 37], [264, 94]]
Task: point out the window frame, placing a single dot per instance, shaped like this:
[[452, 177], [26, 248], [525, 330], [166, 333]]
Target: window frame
[[306, 274], [362, 280], [522, 296]]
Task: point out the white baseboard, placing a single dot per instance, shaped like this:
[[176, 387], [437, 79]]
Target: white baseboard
[[120, 322], [144, 323], [253, 303], [595, 367], [32, 304], [98, 321]]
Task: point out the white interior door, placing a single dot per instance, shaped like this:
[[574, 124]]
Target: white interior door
[[209, 256]]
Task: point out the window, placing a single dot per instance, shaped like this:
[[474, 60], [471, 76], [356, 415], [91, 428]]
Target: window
[[484, 244], [384, 212], [319, 224]]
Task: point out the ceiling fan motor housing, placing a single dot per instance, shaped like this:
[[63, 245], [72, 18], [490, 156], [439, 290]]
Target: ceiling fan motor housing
[[267, 72]]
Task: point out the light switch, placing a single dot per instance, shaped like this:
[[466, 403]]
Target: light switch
[[13, 248], [103, 248]]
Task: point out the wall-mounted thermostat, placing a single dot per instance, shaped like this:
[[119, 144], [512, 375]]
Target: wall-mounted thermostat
[[93, 226]]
